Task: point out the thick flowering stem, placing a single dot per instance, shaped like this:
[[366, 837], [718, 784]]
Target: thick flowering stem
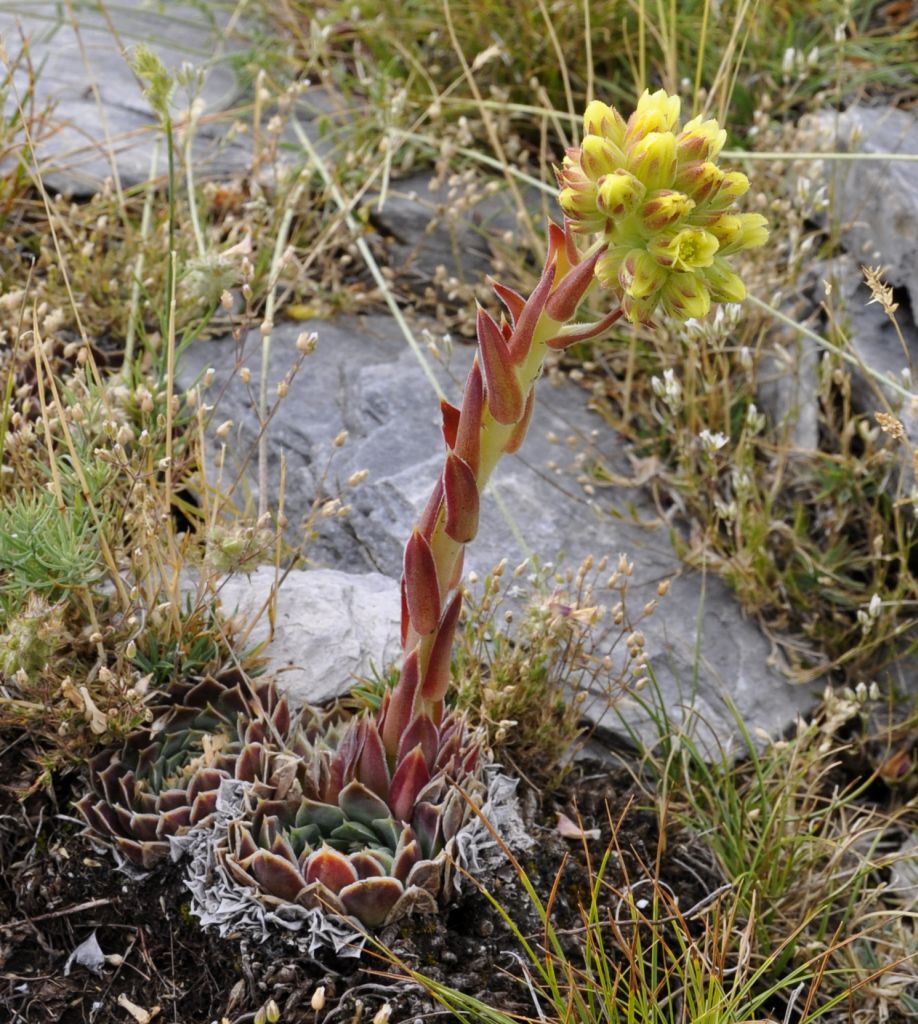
[[491, 421], [663, 219]]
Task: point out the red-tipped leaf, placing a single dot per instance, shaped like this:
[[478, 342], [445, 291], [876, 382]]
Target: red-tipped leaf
[[371, 768], [510, 298], [406, 859], [366, 865], [422, 590], [277, 875], [450, 422], [461, 492], [431, 512], [426, 823], [570, 246], [371, 899], [423, 733], [468, 435], [573, 333], [502, 389], [563, 301], [525, 326], [436, 677], [330, 868], [359, 803], [401, 707], [409, 779]]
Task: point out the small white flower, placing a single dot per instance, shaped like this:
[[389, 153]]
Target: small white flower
[[713, 441]]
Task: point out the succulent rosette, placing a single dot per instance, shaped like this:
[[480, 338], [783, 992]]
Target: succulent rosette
[[356, 832], [164, 780], [665, 210]]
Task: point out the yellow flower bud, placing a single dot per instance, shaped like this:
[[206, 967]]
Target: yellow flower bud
[[652, 158], [609, 264], [724, 226], [685, 296], [641, 275], [664, 208], [580, 206], [699, 181], [639, 311], [750, 230], [600, 119], [654, 113], [723, 284], [618, 193], [734, 184], [599, 156], [700, 140]]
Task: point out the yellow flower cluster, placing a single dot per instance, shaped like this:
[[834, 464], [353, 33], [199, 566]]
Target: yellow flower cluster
[[664, 208]]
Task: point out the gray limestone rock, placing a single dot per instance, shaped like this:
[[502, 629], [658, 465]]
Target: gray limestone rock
[[428, 223], [330, 627], [363, 378], [878, 199], [99, 118]]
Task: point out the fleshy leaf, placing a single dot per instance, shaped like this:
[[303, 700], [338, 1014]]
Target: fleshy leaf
[[410, 777], [510, 298], [422, 589], [437, 678], [431, 512], [423, 733], [351, 834], [563, 301], [450, 422], [361, 804], [401, 705], [452, 813], [427, 875], [372, 770], [387, 831], [325, 816], [204, 805], [366, 865], [426, 822], [276, 875], [330, 868], [405, 860], [174, 821], [143, 826], [248, 766], [502, 389], [462, 501], [572, 333], [525, 326], [371, 899], [169, 799], [468, 434]]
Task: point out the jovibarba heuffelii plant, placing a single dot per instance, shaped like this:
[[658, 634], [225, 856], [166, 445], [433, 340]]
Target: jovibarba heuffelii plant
[[361, 816]]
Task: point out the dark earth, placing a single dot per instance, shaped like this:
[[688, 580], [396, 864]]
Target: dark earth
[[56, 890]]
